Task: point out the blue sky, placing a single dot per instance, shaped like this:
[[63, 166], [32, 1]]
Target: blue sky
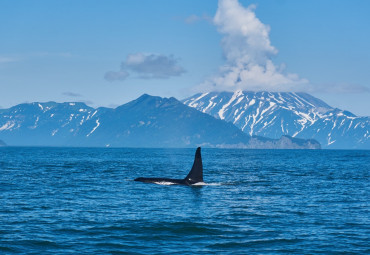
[[107, 53]]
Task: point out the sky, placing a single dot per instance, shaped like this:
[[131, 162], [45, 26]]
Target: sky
[[107, 53]]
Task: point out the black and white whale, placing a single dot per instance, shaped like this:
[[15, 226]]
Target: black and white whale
[[195, 175]]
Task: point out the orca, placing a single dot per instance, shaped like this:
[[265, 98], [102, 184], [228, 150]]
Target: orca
[[195, 175]]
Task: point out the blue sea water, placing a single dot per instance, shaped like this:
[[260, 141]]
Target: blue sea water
[[84, 200]]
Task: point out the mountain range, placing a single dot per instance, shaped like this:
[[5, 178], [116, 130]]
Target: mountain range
[[298, 115], [145, 122]]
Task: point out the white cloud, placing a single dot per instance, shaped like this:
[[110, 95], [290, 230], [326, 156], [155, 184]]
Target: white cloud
[[45, 54], [4, 60], [153, 66], [33, 55], [192, 19], [247, 49], [147, 66], [195, 18], [71, 94], [116, 76], [338, 88]]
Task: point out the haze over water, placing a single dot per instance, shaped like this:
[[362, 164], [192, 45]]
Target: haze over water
[[84, 200]]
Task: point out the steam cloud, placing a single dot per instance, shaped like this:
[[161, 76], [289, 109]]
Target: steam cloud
[[247, 49]]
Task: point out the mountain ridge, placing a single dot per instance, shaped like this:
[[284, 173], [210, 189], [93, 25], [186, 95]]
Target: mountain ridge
[[274, 114], [147, 121]]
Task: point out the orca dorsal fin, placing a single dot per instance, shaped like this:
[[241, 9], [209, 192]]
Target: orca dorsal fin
[[196, 173]]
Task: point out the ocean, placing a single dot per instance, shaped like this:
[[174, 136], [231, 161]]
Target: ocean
[[84, 201]]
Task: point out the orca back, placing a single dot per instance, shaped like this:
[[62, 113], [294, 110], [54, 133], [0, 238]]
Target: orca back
[[196, 173]]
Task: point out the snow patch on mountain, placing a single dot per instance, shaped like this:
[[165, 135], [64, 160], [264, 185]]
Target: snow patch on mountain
[[7, 126], [93, 130]]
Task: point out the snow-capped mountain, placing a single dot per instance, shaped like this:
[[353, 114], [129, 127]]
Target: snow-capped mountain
[[273, 114], [48, 123], [145, 122]]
